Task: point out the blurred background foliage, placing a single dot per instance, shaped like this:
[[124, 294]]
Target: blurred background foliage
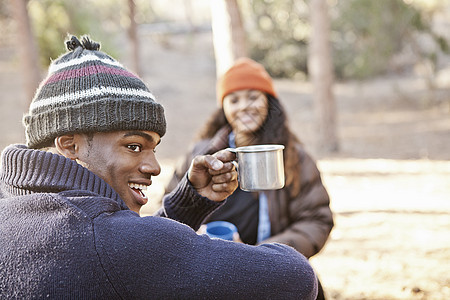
[[278, 35], [51, 20], [368, 37]]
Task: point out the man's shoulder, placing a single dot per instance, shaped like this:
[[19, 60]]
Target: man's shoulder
[[127, 220], [92, 204], [129, 234]]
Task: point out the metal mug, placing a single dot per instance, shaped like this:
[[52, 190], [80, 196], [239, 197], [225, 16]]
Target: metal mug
[[260, 167]]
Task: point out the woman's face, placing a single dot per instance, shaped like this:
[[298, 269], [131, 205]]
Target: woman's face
[[246, 110]]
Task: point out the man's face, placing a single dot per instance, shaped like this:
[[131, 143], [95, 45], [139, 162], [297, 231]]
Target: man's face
[[125, 160]]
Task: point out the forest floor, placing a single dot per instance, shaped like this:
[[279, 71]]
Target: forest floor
[[389, 183]]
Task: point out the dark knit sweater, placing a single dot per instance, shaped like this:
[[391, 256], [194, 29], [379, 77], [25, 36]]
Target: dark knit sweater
[[66, 234]]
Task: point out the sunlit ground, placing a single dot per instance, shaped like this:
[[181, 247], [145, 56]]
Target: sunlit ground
[[391, 239]]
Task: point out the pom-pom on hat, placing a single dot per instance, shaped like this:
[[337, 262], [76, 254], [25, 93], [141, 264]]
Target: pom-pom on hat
[[88, 91], [244, 74]]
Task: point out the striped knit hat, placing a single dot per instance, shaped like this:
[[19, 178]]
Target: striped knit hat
[[88, 91]]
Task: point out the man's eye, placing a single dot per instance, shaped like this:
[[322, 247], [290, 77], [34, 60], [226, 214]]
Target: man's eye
[[135, 148]]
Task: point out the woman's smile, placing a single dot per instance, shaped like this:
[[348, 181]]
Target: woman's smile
[[245, 110]]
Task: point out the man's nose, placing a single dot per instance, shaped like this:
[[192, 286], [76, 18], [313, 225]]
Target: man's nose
[[150, 165]]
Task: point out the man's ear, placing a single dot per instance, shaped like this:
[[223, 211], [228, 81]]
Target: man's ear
[[67, 146]]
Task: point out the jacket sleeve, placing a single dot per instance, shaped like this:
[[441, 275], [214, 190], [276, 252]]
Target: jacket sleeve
[[159, 258], [187, 206], [181, 201], [309, 213]]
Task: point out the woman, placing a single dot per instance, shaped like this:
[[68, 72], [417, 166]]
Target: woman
[[250, 113]]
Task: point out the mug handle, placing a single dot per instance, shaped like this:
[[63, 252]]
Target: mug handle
[[234, 162], [231, 150], [236, 165]]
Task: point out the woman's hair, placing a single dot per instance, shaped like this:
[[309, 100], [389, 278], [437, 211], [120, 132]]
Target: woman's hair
[[275, 130]]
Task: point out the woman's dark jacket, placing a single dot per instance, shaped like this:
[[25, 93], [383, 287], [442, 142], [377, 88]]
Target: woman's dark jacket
[[304, 221]]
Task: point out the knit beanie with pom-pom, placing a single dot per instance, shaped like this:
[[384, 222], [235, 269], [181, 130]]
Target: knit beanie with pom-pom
[[86, 91]]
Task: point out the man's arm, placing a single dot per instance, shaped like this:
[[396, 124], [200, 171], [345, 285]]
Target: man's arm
[[209, 180], [163, 259]]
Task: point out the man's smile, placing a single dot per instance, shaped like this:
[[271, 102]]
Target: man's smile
[[138, 193]]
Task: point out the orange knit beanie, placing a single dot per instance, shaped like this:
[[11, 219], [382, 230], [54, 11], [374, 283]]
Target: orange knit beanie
[[244, 74]]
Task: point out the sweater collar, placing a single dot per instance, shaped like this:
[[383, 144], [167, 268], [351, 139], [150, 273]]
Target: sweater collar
[[24, 171]]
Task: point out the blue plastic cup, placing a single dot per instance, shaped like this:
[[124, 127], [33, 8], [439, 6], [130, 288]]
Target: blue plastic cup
[[221, 229]]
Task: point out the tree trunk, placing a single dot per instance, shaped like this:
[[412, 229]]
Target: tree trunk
[[133, 38], [228, 34], [27, 48], [320, 68], [238, 39]]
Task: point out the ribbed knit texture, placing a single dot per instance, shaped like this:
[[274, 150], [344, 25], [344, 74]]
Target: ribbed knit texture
[[182, 204], [65, 234], [25, 171], [88, 91]]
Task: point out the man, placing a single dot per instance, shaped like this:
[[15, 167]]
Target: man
[[69, 223]]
